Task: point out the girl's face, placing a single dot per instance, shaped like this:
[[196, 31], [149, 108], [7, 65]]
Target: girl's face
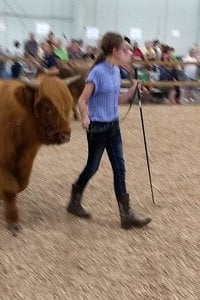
[[123, 54]]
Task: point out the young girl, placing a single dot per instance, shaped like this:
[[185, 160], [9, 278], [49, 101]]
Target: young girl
[[98, 105]]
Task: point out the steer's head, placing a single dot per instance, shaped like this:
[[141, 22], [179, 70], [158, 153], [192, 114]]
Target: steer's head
[[49, 103]]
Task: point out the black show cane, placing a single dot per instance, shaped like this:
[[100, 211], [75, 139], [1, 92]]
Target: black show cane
[[144, 136]]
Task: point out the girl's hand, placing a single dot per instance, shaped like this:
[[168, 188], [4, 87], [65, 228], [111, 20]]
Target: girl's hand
[[136, 84], [86, 123]]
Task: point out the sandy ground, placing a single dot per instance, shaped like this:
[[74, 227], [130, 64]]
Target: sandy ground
[[57, 256]]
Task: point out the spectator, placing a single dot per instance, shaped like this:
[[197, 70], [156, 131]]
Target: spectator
[[49, 64], [2, 63], [89, 55], [148, 51], [137, 53], [191, 72], [169, 74], [31, 46], [157, 49], [60, 52], [16, 68], [173, 52], [74, 50], [81, 45], [51, 39]]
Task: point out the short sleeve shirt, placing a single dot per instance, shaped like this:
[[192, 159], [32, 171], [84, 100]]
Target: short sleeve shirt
[[103, 104]]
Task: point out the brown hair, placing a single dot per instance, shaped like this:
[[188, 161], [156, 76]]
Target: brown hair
[[165, 50], [109, 41]]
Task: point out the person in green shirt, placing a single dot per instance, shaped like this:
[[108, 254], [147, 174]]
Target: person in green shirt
[[60, 52], [173, 58]]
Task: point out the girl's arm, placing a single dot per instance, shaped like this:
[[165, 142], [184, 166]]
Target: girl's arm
[[83, 103]]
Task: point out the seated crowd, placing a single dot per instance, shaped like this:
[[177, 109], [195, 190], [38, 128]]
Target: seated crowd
[[44, 56]]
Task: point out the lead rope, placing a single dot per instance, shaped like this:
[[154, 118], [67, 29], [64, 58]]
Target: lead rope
[[131, 101]]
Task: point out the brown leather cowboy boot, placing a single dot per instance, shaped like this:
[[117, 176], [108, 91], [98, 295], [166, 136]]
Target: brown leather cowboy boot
[[74, 207], [128, 219]]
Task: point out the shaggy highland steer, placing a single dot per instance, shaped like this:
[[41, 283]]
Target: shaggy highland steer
[[31, 115]]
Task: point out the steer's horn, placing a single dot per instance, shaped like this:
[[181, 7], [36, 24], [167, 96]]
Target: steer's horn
[[29, 83], [72, 79]]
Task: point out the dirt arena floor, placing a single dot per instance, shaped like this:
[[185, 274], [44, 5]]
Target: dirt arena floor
[[57, 256]]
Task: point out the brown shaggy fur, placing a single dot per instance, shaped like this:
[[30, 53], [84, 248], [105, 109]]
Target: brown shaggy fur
[[29, 117]]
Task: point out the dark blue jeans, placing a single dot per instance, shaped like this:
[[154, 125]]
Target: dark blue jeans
[[101, 136]]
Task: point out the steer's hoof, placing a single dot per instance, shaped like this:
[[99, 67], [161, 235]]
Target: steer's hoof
[[14, 228]]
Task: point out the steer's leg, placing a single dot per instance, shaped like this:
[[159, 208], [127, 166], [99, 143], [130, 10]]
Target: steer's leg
[[9, 189], [11, 212]]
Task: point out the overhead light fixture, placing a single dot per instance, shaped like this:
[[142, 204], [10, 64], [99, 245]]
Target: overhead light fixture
[[92, 33], [42, 28], [135, 33], [176, 33]]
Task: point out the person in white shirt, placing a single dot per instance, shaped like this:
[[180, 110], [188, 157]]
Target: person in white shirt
[[191, 71], [148, 51], [157, 49]]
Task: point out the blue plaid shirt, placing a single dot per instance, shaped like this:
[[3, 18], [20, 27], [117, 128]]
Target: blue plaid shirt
[[103, 104]]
